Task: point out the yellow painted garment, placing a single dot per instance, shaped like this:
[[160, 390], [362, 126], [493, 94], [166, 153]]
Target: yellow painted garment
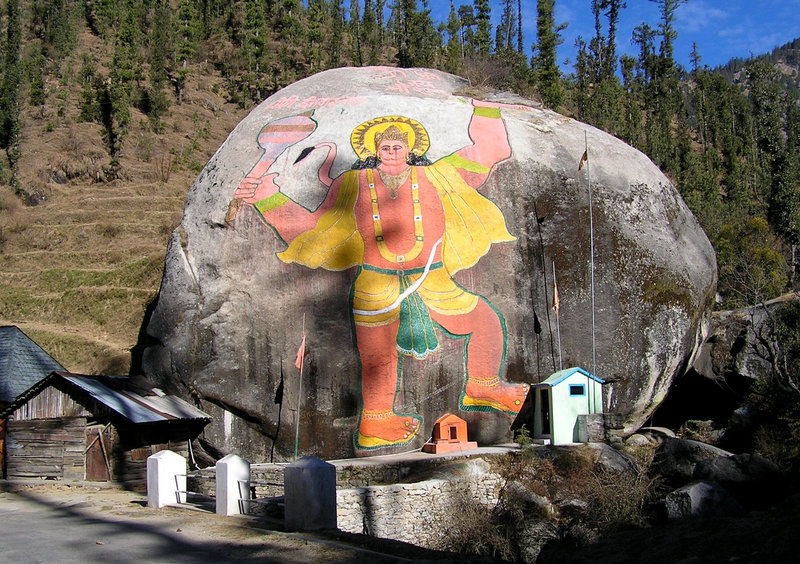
[[472, 223], [375, 291]]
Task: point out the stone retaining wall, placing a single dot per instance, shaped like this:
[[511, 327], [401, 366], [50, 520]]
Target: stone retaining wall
[[417, 513]]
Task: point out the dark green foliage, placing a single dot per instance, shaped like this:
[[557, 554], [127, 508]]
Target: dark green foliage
[[777, 399], [729, 138], [483, 34], [36, 69], [544, 63], [751, 269], [160, 54], [10, 87], [417, 42], [55, 23]]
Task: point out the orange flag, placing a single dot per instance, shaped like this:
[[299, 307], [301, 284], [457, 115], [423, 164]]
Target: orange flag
[[301, 353], [584, 160], [556, 301]]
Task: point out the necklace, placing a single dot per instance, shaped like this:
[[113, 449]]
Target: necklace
[[393, 182], [376, 221]]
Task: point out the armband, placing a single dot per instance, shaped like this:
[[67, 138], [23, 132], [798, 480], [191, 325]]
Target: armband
[[269, 204], [486, 112]]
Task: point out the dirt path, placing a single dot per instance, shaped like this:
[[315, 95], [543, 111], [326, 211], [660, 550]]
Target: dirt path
[[75, 524]]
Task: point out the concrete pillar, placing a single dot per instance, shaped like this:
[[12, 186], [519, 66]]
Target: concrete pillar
[[233, 485], [166, 479], [309, 490], [581, 431]]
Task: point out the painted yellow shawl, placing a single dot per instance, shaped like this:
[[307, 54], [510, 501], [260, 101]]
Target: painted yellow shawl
[[472, 223]]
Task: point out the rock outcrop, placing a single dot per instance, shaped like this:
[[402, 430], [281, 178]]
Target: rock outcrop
[[500, 209]]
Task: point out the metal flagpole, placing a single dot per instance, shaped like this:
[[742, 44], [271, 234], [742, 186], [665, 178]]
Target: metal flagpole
[[300, 391], [555, 308], [591, 250]]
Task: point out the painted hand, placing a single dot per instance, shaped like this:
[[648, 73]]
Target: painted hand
[[252, 189]]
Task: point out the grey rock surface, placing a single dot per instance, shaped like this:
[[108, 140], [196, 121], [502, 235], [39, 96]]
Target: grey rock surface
[[229, 316], [676, 459], [701, 498]]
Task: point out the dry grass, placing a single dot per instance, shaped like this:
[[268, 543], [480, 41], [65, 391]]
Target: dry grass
[[78, 270]]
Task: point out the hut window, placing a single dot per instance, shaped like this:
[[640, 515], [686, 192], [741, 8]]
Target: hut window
[[577, 390]]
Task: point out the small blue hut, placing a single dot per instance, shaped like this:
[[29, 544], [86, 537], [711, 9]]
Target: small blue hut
[[559, 400]]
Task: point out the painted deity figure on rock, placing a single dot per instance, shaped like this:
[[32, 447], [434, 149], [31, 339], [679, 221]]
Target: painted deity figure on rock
[[407, 225]]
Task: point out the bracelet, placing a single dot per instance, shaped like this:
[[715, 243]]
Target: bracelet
[[486, 112], [272, 202]]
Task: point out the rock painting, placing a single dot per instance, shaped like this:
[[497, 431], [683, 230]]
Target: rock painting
[[407, 225]]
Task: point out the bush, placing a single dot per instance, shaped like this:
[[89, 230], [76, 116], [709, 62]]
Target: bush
[[477, 529], [619, 498]]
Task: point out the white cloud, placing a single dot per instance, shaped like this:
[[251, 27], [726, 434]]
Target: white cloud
[[698, 15]]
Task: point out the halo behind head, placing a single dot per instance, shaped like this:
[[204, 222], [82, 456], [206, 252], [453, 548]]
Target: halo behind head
[[367, 136]]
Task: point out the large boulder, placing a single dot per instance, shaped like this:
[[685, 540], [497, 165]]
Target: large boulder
[[701, 498], [249, 270]]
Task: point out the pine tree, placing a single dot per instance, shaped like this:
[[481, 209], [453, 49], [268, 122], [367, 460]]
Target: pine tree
[[186, 23], [469, 41], [336, 34], [9, 89], [160, 47], [369, 36], [505, 32], [126, 72], [548, 75], [483, 15], [355, 32], [454, 50]]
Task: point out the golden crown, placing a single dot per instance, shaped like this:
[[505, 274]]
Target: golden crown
[[367, 136], [391, 133]]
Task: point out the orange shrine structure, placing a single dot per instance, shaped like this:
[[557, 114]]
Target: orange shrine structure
[[449, 435]]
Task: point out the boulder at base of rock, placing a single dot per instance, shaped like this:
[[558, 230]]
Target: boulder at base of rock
[[533, 536], [406, 229], [752, 479], [701, 498], [676, 459]]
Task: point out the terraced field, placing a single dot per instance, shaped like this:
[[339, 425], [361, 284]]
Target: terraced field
[[78, 270]]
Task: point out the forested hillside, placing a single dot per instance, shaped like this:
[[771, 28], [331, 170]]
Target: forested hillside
[[109, 109]]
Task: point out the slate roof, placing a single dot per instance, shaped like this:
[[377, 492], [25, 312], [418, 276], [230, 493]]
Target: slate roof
[[133, 398], [23, 363]]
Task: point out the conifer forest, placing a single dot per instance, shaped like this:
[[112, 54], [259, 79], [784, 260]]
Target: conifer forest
[[728, 137]]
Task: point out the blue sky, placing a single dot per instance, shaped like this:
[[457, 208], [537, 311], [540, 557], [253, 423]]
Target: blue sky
[[722, 29]]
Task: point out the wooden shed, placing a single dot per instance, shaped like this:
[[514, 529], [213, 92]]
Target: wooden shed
[[561, 400], [23, 363], [96, 428]]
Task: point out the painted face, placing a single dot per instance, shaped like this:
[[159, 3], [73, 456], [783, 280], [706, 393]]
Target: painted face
[[393, 152]]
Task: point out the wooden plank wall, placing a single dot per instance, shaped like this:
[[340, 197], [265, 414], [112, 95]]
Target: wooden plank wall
[[50, 403], [46, 448], [135, 445]]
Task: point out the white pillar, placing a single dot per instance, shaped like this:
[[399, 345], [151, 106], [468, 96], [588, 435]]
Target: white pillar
[[309, 493], [166, 479], [233, 485]]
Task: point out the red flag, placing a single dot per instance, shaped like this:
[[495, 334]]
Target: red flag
[[301, 353]]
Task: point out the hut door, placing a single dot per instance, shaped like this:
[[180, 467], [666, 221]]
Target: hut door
[[97, 463], [545, 396], [2, 448]]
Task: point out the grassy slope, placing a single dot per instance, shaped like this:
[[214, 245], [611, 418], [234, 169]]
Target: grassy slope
[[78, 270]]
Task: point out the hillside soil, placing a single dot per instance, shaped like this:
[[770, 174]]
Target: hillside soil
[[82, 243]]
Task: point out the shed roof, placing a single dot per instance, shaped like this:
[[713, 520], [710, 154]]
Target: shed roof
[[23, 363], [561, 375], [133, 398]]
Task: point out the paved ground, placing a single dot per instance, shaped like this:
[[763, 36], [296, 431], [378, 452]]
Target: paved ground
[[58, 524]]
